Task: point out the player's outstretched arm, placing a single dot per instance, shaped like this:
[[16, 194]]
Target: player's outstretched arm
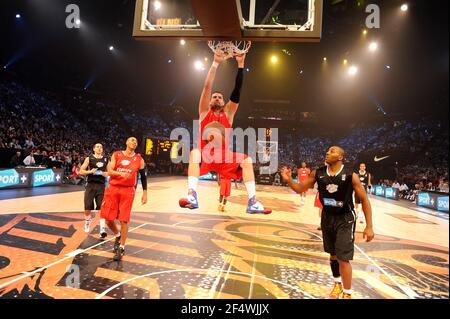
[[300, 187], [207, 88], [233, 103]]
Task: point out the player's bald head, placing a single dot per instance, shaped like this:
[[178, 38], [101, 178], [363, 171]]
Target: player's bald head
[[334, 154], [339, 150]]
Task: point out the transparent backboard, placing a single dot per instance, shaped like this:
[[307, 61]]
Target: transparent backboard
[[259, 20]]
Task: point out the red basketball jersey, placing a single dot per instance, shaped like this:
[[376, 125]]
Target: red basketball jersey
[[212, 117], [303, 173], [126, 164]]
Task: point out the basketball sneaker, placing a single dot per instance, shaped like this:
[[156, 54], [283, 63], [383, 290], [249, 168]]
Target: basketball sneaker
[[346, 296], [190, 201], [255, 207], [116, 244], [103, 233], [119, 254], [337, 291], [221, 208], [87, 225]]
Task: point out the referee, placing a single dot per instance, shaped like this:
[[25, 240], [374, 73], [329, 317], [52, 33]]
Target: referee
[[336, 184], [95, 168]]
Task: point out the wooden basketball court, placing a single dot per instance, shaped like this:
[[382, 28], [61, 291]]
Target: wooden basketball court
[[174, 253]]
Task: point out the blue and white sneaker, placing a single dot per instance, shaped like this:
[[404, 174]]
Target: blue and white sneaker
[[255, 207], [191, 201]]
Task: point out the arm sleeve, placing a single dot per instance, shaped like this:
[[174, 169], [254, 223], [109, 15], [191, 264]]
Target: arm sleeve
[[236, 95], [143, 179]]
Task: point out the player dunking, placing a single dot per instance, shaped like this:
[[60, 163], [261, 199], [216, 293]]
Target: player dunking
[[94, 167], [123, 169], [303, 173], [214, 111], [336, 185], [366, 182]]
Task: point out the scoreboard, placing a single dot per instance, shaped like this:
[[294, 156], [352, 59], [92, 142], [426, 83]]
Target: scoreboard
[[160, 149]]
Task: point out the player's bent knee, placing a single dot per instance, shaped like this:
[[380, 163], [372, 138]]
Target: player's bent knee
[[247, 162]]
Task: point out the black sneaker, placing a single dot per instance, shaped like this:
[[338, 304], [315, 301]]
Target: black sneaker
[[119, 254], [116, 244]]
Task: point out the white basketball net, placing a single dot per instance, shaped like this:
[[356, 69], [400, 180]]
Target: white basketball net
[[229, 48]]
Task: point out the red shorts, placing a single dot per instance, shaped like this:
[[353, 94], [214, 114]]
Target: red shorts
[[117, 203], [226, 170], [225, 187], [317, 202]]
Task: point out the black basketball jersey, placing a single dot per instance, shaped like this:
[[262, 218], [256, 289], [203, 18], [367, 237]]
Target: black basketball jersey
[[335, 192], [364, 178], [101, 165]]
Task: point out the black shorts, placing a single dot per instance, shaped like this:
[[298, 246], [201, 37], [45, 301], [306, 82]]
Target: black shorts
[[338, 231], [94, 191]]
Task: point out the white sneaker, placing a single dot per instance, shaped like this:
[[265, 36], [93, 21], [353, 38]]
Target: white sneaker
[[87, 225], [255, 207], [103, 233]]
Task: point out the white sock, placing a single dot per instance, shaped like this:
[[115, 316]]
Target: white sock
[[102, 223], [348, 291], [88, 217], [193, 182], [122, 246], [118, 234], [337, 280], [251, 188]]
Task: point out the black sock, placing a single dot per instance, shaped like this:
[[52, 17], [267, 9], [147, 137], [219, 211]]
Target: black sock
[[334, 264]]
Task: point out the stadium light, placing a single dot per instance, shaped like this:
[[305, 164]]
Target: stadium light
[[111, 48], [157, 5], [78, 22], [404, 7], [199, 66], [182, 42], [274, 59], [345, 62], [18, 16], [365, 32], [353, 70], [373, 46]]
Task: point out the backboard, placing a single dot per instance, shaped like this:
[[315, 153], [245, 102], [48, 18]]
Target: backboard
[[255, 20]]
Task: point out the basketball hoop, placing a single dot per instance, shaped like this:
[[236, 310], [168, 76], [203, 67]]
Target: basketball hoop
[[230, 48]]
